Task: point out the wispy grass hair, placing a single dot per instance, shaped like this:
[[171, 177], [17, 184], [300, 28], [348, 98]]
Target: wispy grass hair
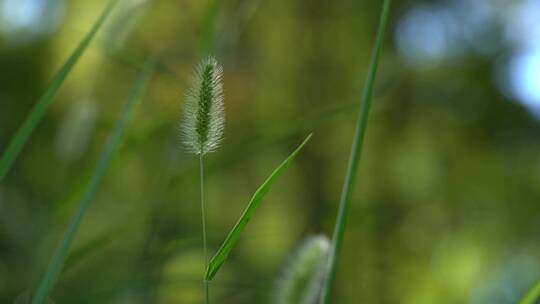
[[301, 279], [204, 117]]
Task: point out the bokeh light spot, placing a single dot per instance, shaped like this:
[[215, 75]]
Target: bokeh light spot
[[524, 79], [426, 35], [22, 21]]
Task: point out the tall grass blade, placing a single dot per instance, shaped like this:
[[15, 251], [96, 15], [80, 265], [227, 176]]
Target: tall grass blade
[[230, 241], [356, 150], [41, 106], [57, 261], [532, 295]]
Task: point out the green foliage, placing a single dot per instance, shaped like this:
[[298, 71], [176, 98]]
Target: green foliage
[[354, 159], [57, 261], [217, 261], [532, 295], [445, 204], [41, 106], [301, 278]]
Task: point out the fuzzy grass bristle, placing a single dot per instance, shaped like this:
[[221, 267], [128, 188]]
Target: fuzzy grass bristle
[[302, 277], [204, 115]]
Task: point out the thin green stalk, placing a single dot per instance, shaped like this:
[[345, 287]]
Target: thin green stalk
[[203, 219], [202, 128], [41, 106], [57, 261], [532, 295], [356, 150]]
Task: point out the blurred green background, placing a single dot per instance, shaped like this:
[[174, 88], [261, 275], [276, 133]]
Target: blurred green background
[[447, 205]]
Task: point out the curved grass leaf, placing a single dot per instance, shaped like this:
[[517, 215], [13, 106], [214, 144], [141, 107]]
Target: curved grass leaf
[[41, 106], [230, 241], [57, 261], [532, 295], [356, 151]]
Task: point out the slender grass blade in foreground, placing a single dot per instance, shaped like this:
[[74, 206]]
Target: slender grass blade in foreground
[[230, 241], [57, 261], [356, 150], [41, 106], [532, 295]]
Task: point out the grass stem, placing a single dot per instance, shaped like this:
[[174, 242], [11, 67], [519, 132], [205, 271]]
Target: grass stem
[[203, 219], [354, 159]]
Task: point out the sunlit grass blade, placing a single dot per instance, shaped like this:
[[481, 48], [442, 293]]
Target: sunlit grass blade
[[532, 295], [356, 150], [57, 261], [41, 106], [230, 241]]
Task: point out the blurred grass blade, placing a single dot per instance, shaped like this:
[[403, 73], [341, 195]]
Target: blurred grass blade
[[208, 35], [345, 201], [57, 261], [532, 295], [41, 106], [230, 241]]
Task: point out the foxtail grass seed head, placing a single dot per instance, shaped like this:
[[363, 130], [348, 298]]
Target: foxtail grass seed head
[[302, 277], [204, 117]]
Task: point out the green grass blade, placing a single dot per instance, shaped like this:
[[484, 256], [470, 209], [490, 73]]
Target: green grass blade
[[208, 35], [57, 261], [230, 241], [356, 150], [532, 295], [41, 106]]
